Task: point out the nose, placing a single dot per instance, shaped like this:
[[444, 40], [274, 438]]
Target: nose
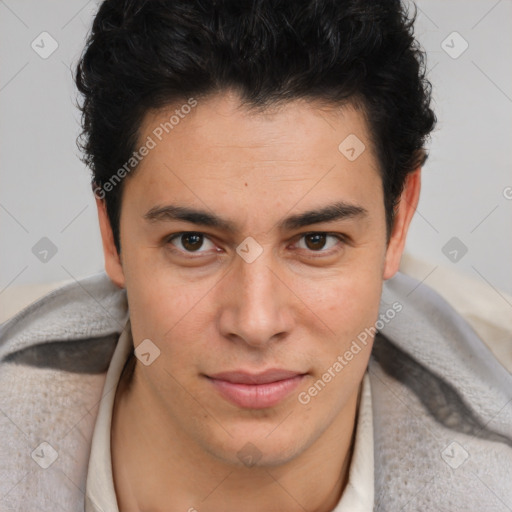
[[256, 303]]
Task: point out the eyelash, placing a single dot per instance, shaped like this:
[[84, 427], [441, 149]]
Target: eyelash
[[314, 254]]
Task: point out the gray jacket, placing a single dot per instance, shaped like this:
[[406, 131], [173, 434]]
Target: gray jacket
[[442, 403]]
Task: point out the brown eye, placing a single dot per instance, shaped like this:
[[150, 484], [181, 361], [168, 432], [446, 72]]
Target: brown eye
[[315, 241], [190, 241], [320, 242]]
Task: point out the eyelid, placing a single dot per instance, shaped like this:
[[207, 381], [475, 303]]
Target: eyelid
[[343, 239], [168, 241]]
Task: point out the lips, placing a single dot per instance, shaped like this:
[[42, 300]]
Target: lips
[[256, 390], [255, 378]]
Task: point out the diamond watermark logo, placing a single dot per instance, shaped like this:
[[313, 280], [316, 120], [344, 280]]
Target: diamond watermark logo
[[249, 249], [44, 45], [352, 147], [44, 455], [249, 455], [454, 249], [44, 250], [454, 45], [454, 455], [146, 352]]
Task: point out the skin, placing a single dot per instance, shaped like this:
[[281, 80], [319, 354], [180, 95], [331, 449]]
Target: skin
[[297, 306]]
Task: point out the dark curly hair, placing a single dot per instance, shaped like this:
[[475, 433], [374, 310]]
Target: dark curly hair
[[146, 54]]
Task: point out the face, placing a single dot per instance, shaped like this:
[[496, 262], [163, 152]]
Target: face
[[253, 254]]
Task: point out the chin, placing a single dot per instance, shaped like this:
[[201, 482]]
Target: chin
[[260, 447]]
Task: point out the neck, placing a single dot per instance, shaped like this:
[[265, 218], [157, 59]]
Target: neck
[[158, 468]]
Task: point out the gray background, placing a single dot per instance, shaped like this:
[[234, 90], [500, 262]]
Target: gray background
[[467, 182]]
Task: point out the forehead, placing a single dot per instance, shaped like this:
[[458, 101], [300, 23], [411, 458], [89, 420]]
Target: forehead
[[223, 124], [221, 150]]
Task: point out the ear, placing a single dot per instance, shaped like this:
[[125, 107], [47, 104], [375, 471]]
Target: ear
[[113, 266], [403, 216]]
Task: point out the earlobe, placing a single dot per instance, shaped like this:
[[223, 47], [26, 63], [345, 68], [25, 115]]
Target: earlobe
[[405, 210], [113, 266]]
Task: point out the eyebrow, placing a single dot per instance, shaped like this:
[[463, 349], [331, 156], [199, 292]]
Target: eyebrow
[[330, 213]]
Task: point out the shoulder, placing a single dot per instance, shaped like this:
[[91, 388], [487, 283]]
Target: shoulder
[[441, 403], [53, 361]]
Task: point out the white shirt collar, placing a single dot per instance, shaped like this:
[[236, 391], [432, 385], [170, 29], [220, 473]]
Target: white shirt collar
[[100, 495], [358, 495]]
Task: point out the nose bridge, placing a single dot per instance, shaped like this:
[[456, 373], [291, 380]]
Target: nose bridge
[[258, 309], [257, 281]]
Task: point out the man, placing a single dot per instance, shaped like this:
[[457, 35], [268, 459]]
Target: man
[[256, 166]]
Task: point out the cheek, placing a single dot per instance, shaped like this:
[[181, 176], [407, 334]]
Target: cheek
[[163, 310], [160, 302], [350, 309], [348, 301]]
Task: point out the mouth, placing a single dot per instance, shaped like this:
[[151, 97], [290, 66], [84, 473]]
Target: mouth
[[256, 390]]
